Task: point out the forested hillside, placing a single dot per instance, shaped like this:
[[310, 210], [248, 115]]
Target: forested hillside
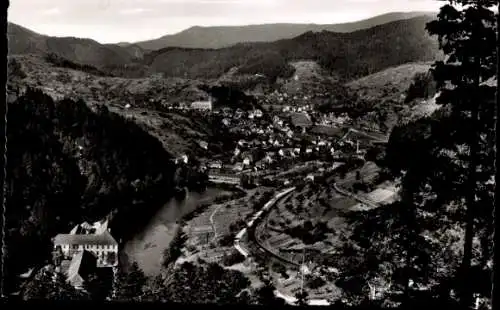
[[68, 164], [347, 55], [224, 36], [350, 55]]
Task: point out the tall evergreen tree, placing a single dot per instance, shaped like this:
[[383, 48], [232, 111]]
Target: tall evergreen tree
[[130, 284], [466, 30]]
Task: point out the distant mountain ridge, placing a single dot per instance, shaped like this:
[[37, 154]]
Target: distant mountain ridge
[[348, 55], [225, 36], [345, 55], [83, 51]]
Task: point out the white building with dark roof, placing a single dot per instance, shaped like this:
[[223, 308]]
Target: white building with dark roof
[[103, 246]]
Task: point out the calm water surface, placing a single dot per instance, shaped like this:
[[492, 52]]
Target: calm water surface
[[147, 247]]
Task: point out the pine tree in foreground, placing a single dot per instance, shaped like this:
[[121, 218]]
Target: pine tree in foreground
[[466, 30]]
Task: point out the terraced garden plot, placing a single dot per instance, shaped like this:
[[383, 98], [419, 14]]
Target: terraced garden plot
[[280, 221], [280, 240]]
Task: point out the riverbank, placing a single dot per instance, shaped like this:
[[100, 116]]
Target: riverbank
[[147, 247]]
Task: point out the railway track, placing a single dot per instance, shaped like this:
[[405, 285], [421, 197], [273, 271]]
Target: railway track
[[255, 221], [257, 246], [261, 245]]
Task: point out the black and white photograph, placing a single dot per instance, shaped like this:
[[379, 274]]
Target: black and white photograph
[[275, 153]]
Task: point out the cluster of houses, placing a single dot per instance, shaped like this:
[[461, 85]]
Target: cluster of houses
[[268, 143], [85, 248], [238, 114], [332, 119], [297, 109]]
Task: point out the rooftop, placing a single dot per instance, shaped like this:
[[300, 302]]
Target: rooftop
[[102, 239], [80, 266]]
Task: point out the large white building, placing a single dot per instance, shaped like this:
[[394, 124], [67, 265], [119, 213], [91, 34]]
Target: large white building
[[202, 105], [103, 246]]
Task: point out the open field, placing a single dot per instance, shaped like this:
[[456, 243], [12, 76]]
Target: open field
[[382, 196], [389, 83]]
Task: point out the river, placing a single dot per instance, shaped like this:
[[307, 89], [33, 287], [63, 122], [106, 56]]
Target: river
[[147, 247]]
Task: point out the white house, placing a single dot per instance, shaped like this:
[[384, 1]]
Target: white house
[[246, 161]]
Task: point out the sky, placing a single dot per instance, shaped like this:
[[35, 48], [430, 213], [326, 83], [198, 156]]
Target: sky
[[112, 21]]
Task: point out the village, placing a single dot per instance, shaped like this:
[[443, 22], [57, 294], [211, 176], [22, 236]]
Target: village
[[273, 150], [281, 156], [268, 143]]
